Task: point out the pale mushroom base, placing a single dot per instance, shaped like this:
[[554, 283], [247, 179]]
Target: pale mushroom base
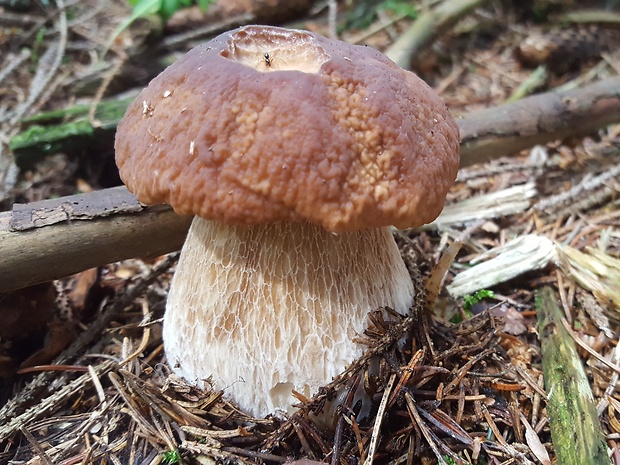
[[262, 310]]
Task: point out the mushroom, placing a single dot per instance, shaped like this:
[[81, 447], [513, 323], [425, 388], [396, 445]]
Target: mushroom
[[296, 153]]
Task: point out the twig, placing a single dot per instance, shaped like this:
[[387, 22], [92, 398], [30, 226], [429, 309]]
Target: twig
[[416, 419], [209, 30], [444, 422], [538, 119], [509, 201], [407, 372], [38, 368], [255, 454], [332, 17], [535, 80], [596, 271], [587, 348], [375, 29], [525, 253], [460, 374], [611, 387], [490, 170], [496, 432], [134, 411], [312, 432], [584, 16], [374, 439], [587, 185], [146, 334], [109, 74], [44, 74], [426, 27], [304, 442], [343, 409], [97, 384], [14, 62], [36, 446], [215, 453], [50, 404]]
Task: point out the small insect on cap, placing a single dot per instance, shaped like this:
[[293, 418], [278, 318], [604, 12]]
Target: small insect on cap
[[264, 124]]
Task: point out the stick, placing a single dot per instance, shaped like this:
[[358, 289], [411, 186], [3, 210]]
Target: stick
[[53, 238], [426, 27], [510, 128], [46, 240], [575, 429], [374, 439]]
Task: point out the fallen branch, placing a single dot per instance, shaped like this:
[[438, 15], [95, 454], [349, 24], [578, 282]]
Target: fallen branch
[[510, 128], [46, 240], [576, 432]]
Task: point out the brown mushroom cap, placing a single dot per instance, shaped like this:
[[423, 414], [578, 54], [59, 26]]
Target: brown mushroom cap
[[264, 124]]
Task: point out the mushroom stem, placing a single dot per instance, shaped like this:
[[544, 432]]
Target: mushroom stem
[[264, 309]]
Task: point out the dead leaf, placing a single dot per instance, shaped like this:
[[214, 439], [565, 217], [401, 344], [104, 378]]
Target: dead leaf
[[83, 283], [534, 442], [514, 322]]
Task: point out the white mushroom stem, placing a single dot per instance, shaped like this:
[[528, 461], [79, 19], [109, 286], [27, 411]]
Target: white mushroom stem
[[265, 309]]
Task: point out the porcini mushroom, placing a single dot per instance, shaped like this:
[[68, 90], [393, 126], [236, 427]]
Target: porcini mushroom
[[295, 153]]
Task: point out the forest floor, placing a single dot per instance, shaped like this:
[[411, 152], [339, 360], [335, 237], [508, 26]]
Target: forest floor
[[83, 376]]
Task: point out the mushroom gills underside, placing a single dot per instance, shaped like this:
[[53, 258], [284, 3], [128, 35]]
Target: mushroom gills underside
[[264, 309]]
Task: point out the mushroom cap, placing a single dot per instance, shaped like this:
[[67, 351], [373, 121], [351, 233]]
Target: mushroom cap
[[265, 124]]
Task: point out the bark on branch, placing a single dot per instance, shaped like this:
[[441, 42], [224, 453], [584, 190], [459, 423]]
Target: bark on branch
[[538, 119], [46, 240]]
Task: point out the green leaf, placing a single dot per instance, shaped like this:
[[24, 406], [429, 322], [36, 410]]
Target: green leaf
[[171, 457], [470, 300]]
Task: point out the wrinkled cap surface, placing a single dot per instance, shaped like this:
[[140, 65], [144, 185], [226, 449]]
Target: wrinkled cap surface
[[265, 124]]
